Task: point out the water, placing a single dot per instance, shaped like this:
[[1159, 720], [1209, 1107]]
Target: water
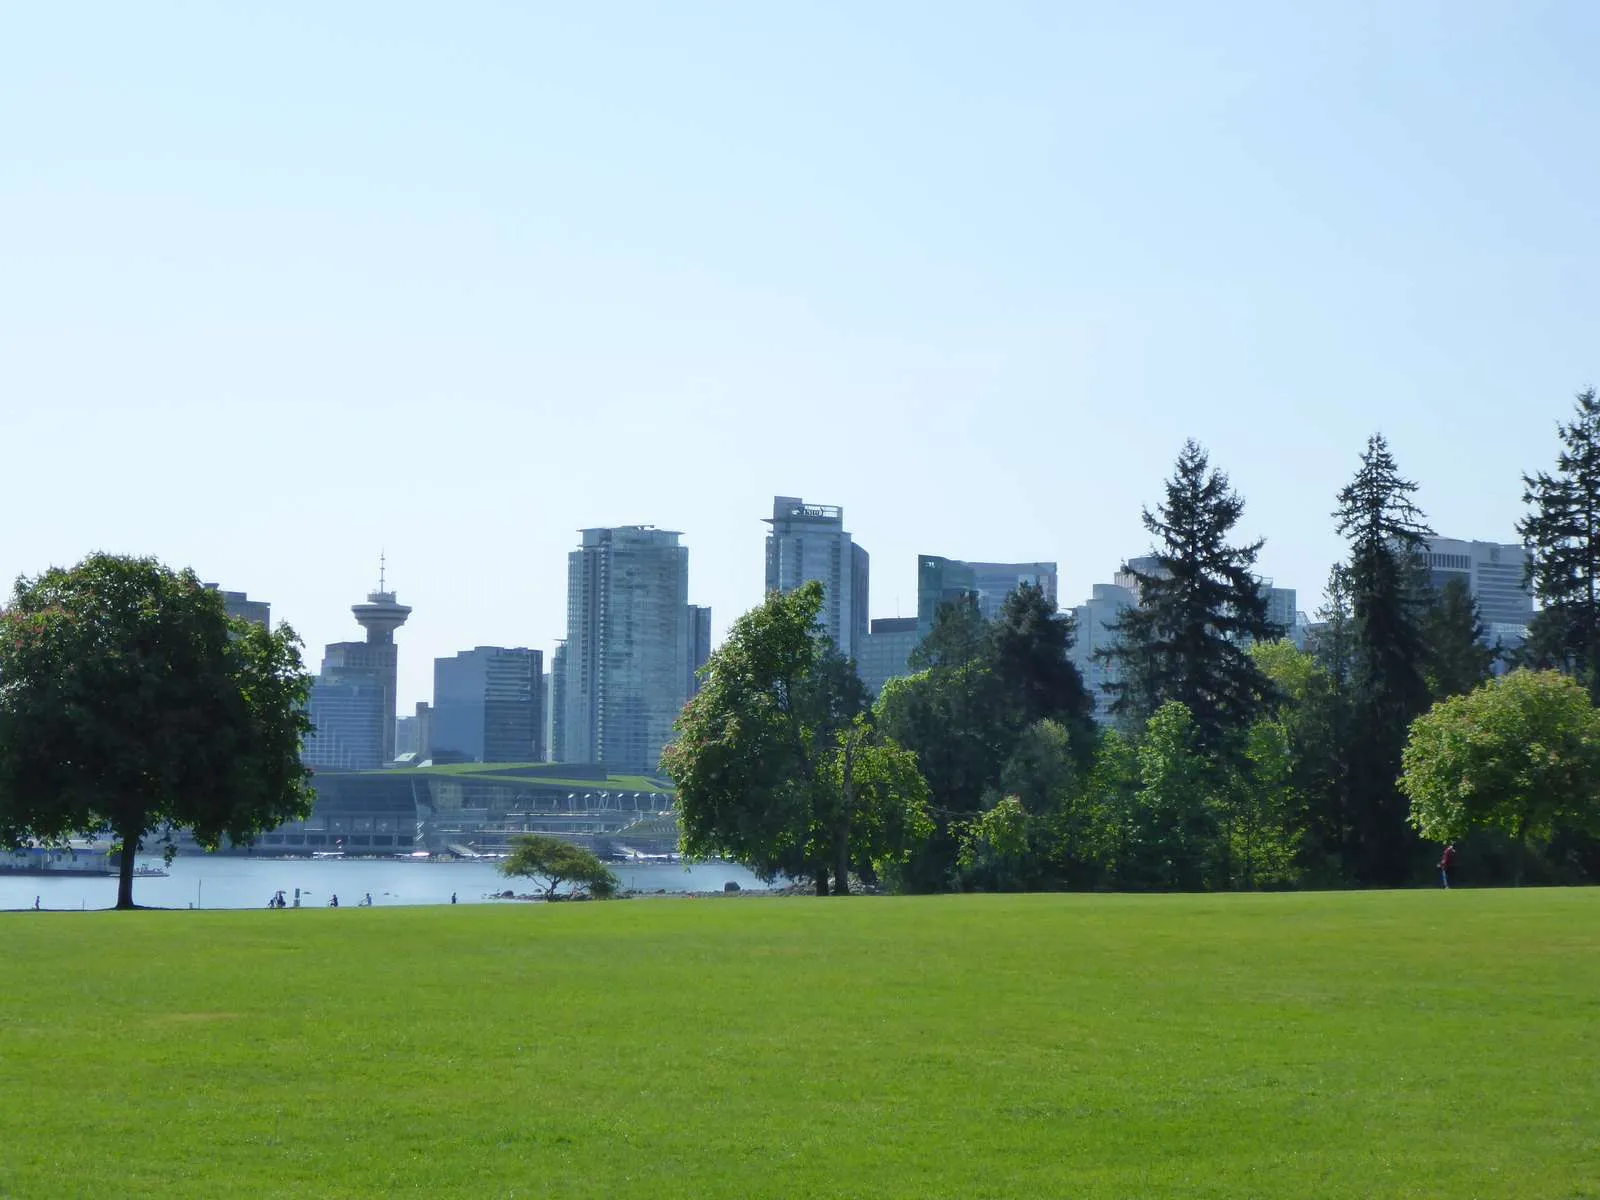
[[204, 881]]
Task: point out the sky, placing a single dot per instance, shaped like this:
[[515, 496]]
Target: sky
[[286, 286]]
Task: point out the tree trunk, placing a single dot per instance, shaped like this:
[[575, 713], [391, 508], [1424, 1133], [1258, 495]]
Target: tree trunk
[[822, 881], [841, 830], [130, 850]]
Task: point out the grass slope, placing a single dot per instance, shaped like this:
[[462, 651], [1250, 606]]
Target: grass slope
[[1355, 1044]]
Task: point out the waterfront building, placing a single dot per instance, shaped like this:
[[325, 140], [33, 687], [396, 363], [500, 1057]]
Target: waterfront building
[[488, 705], [628, 645], [886, 651], [699, 644], [942, 581], [1494, 573], [346, 711], [558, 704], [809, 541]]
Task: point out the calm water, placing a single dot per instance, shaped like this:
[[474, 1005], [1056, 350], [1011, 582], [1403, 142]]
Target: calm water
[[225, 882]]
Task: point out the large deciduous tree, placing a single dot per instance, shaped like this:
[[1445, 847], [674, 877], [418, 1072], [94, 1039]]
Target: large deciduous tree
[[131, 704], [1388, 657], [1521, 754], [774, 767], [1562, 535], [1199, 608]]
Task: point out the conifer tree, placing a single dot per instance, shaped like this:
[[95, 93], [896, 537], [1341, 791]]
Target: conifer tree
[[1198, 610], [1388, 688], [1562, 536], [1459, 655]]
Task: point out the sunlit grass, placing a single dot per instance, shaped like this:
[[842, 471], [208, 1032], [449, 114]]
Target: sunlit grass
[[1353, 1044]]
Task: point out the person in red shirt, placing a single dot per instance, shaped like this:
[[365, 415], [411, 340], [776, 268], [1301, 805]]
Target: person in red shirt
[[1446, 861]]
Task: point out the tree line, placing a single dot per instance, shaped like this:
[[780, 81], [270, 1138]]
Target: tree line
[[1233, 759]]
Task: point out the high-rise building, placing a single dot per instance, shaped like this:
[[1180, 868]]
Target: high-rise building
[[627, 650], [809, 541], [886, 651], [943, 580], [699, 644], [1095, 618], [1493, 573], [346, 711], [558, 704], [240, 606], [488, 705]]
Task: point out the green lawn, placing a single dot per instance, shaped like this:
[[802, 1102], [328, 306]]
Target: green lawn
[[1347, 1044]]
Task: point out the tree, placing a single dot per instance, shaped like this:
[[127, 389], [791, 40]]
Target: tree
[[1520, 754], [1562, 536], [951, 715], [771, 763], [1333, 645], [1198, 609], [1312, 715], [1110, 802], [1174, 840], [1035, 677], [1459, 655], [877, 809], [130, 703], [996, 846], [553, 861], [1388, 599]]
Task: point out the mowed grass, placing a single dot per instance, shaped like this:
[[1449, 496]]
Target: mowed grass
[[1357, 1044]]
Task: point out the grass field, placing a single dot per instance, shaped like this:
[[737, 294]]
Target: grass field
[[1357, 1044]]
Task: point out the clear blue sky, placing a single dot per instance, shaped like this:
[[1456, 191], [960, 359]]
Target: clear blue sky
[[284, 284]]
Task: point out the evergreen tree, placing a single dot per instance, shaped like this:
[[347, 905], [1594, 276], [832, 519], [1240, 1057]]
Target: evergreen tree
[[1031, 651], [1332, 645], [1198, 611], [1459, 655], [1562, 536], [1387, 687]]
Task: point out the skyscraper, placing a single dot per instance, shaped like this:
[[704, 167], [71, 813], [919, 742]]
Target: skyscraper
[[558, 704], [1493, 573], [627, 650], [699, 644], [1094, 619], [886, 651], [942, 580], [808, 541], [488, 705], [239, 605]]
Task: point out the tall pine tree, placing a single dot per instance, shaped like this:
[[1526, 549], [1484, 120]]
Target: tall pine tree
[[1459, 654], [1562, 536], [1389, 599], [1198, 610]]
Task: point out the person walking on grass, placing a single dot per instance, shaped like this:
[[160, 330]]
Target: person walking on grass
[[1446, 861]]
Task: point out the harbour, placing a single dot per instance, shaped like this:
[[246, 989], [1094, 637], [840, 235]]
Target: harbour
[[205, 881]]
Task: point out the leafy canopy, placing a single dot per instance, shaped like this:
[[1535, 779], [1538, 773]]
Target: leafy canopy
[[130, 703], [774, 765], [553, 861], [1520, 754]]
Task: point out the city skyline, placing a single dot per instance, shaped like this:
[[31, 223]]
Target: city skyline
[[294, 290]]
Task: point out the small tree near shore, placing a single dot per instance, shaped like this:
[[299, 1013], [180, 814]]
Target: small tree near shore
[[551, 862]]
